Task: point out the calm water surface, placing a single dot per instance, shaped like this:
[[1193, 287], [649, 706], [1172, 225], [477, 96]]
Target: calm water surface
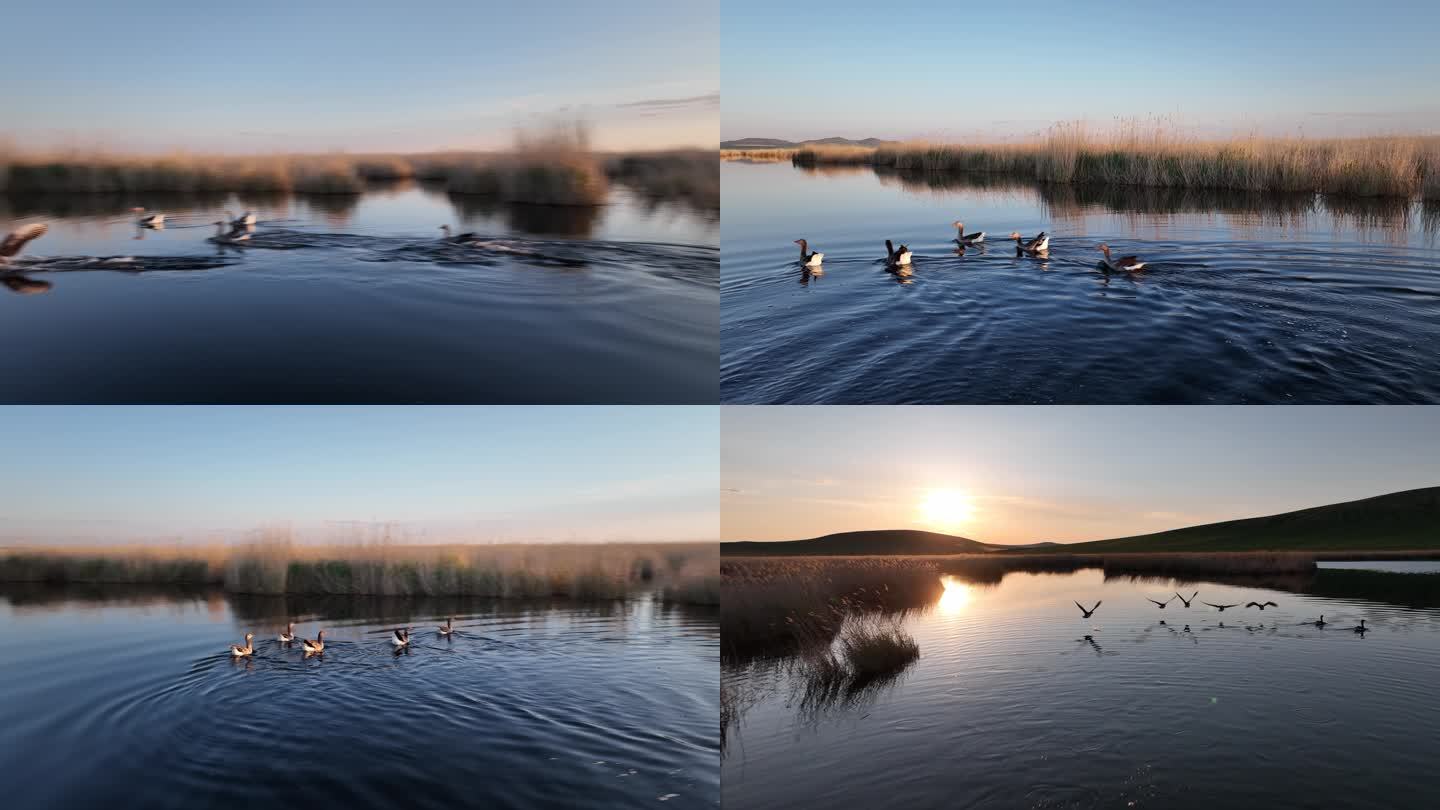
[[1009, 706], [1248, 299], [130, 699], [354, 299]]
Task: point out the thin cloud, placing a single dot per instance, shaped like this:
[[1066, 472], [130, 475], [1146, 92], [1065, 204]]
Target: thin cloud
[[656, 105]]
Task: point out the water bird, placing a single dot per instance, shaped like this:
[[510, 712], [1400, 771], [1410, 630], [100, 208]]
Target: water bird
[[401, 637], [1220, 608], [149, 220], [1160, 604], [1162, 621], [1362, 629], [807, 257], [1261, 605], [446, 629], [1187, 601], [1320, 622], [464, 237], [897, 257], [1122, 264], [235, 236], [238, 651], [318, 645], [963, 238], [1039, 244], [289, 634], [1085, 614], [245, 220], [15, 242]]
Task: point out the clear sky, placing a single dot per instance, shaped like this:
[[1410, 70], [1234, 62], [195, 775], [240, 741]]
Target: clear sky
[[1033, 473], [264, 76], [925, 68], [445, 474]]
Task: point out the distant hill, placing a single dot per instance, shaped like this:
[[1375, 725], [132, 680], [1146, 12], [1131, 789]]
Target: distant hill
[[776, 143], [1399, 521], [883, 541]]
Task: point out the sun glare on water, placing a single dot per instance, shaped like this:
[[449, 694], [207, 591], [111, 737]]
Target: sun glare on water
[[946, 508], [956, 595]]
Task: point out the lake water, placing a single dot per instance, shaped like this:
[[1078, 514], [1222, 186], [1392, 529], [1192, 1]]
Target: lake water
[[1248, 299], [354, 298], [117, 697], [1009, 706]]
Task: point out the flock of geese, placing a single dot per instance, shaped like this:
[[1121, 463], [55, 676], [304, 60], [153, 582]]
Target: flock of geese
[[399, 639], [1086, 613], [900, 258]]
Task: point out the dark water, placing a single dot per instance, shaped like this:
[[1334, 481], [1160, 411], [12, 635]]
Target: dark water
[[117, 698], [1248, 299], [1009, 706], [355, 299]]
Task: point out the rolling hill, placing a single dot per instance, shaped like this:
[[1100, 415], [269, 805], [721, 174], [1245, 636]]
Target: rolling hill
[[883, 541], [777, 143]]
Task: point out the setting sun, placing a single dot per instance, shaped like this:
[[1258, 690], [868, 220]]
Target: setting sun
[[946, 508]]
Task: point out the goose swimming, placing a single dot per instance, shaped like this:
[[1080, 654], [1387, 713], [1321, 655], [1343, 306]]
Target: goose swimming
[[808, 258], [1362, 629], [963, 238], [245, 220], [1085, 614], [468, 236], [1160, 604], [446, 629], [897, 257], [1122, 264], [1220, 608], [1320, 622], [318, 645], [401, 637], [289, 634], [1187, 601], [17, 241], [149, 220], [1261, 605], [1039, 244], [238, 651]]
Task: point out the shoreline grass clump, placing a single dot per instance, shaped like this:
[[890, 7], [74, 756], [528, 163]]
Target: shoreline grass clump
[[758, 155]]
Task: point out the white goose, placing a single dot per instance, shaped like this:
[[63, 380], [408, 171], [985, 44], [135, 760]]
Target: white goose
[[289, 634], [318, 645], [149, 220], [808, 258], [446, 629], [963, 238], [1122, 264], [17, 241], [899, 257], [240, 652]]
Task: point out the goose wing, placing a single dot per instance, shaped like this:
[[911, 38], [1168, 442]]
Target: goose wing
[[16, 241], [1272, 604], [1156, 601], [1252, 604]]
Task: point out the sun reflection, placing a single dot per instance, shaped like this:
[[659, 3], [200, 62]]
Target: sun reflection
[[946, 508], [956, 595]]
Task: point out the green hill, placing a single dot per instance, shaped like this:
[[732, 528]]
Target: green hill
[[1400, 521], [883, 541]]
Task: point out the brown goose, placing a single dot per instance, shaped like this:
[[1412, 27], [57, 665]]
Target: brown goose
[[1160, 604], [249, 649], [808, 257], [1261, 605], [963, 238], [446, 628], [1187, 601], [1039, 244], [1220, 608], [1085, 614], [1122, 264], [289, 634], [897, 257], [17, 241], [318, 645]]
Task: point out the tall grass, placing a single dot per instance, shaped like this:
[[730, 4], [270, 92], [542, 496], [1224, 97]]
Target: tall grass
[[758, 155], [680, 572], [1156, 153]]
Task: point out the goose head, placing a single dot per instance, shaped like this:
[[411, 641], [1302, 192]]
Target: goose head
[[1015, 235]]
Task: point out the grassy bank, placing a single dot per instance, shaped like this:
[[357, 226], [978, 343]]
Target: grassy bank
[[1157, 154], [758, 155], [679, 572]]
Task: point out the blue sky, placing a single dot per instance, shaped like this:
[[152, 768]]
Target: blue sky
[[1035, 473], [447, 474], [941, 70], [306, 76]]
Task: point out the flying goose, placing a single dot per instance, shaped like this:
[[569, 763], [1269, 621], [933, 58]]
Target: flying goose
[[1085, 614], [17, 241], [808, 258], [318, 645], [1039, 244], [963, 238], [289, 634], [1187, 601], [238, 651], [1260, 605], [468, 236], [149, 220], [1220, 608], [1159, 604], [897, 257], [234, 236], [245, 220], [446, 629], [401, 637], [1122, 264]]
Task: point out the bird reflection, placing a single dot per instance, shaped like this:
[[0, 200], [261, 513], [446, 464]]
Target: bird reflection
[[1094, 645], [24, 285]]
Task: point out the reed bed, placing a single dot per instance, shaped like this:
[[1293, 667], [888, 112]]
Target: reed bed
[[688, 175], [679, 572], [758, 155], [1158, 154]]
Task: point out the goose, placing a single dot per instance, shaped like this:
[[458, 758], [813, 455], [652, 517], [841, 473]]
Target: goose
[[1220, 608], [289, 634], [1187, 601], [16, 242], [235, 236], [149, 220], [897, 257], [1362, 629], [1159, 604], [468, 236], [238, 651], [1039, 244], [401, 637], [1085, 614], [963, 238], [245, 220], [808, 258], [1122, 264], [1261, 605], [318, 645], [446, 629], [1320, 622], [1162, 623]]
